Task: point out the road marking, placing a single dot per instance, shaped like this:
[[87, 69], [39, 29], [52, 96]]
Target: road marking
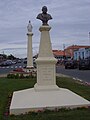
[[12, 67], [74, 78], [20, 66], [7, 67], [77, 79]]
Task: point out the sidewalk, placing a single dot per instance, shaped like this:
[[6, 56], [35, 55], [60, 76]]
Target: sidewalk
[[3, 75]]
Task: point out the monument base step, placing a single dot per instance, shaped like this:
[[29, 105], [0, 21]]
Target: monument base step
[[45, 87], [30, 67], [28, 100]]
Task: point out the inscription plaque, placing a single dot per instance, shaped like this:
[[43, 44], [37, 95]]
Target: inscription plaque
[[46, 72]]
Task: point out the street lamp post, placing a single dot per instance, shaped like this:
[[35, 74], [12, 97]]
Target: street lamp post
[[64, 50], [89, 38]]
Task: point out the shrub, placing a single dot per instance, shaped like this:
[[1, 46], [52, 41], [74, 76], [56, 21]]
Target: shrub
[[16, 75], [21, 76], [10, 76]]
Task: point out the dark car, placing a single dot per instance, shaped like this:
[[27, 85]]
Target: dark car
[[71, 64], [84, 64], [25, 61], [6, 63]]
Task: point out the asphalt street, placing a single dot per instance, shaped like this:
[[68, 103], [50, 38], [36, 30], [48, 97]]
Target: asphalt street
[[75, 73], [7, 69]]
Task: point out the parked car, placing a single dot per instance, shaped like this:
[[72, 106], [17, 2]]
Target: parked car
[[71, 64], [6, 63], [19, 61], [84, 64], [25, 61]]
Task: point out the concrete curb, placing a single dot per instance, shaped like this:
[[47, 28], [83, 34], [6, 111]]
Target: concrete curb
[[61, 75], [3, 75]]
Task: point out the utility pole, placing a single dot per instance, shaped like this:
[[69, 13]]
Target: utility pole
[[64, 50], [89, 38]]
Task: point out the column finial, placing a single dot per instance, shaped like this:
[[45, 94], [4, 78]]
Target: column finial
[[29, 27]]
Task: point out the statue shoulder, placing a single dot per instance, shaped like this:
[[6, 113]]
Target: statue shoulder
[[49, 17], [39, 16]]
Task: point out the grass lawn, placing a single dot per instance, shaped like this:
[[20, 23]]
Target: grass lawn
[[7, 86]]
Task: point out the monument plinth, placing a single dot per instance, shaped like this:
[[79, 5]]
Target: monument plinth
[[46, 71]]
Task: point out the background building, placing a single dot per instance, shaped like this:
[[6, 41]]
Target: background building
[[82, 53], [74, 48], [75, 51]]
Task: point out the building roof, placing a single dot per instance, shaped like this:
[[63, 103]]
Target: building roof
[[77, 47], [58, 52]]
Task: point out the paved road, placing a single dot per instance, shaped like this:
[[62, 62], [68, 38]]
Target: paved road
[[7, 69], [79, 74]]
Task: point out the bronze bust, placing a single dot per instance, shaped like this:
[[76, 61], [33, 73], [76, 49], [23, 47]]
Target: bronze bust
[[44, 16]]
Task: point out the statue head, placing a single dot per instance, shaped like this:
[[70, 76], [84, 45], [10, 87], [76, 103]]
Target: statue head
[[44, 9], [29, 21], [44, 16]]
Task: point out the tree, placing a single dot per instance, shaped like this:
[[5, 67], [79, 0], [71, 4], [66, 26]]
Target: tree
[[11, 57]]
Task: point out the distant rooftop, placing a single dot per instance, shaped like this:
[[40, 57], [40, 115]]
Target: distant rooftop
[[58, 52], [77, 46]]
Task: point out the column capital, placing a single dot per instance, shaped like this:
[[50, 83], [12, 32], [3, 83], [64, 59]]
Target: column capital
[[30, 33], [44, 28]]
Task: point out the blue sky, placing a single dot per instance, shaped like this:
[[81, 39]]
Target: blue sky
[[70, 24]]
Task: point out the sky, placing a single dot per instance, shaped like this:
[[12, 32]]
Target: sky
[[70, 24]]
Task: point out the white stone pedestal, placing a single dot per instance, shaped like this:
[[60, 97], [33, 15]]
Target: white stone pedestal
[[29, 51], [46, 70]]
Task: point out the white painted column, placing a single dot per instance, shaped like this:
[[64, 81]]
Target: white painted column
[[29, 50], [46, 70]]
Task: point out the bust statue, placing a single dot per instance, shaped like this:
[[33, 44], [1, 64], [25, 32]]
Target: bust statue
[[29, 27], [44, 16]]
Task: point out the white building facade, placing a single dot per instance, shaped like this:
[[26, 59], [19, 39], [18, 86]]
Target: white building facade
[[81, 53]]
